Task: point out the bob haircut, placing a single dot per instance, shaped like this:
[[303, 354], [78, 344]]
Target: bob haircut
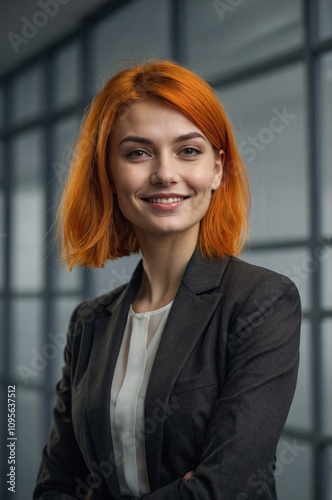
[[92, 228]]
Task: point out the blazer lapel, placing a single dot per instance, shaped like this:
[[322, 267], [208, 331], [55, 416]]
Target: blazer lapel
[[106, 346], [190, 313]]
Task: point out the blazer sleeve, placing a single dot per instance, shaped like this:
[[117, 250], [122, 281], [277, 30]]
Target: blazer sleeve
[[62, 465], [248, 418]]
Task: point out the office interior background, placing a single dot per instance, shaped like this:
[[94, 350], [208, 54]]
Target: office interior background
[[270, 63]]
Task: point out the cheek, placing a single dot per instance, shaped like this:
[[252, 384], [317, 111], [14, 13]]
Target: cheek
[[126, 187], [124, 195], [129, 179], [124, 203], [124, 184], [202, 183]]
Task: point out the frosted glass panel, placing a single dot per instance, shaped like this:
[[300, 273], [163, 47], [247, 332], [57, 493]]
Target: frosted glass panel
[[300, 415], [30, 422], [137, 31], [65, 280], [57, 336], [27, 229], [64, 138], [327, 376], [326, 143], [29, 359], [326, 259], [296, 264], [269, 118], [66, 70], [28, 210], [28, 95], [225, 35], [325, 22], [65, 135], [294, 470], [114, 274]]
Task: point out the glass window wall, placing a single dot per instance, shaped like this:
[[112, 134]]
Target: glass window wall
[[259, 56]]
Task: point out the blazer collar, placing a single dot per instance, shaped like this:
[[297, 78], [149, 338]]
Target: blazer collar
[[200, 276]]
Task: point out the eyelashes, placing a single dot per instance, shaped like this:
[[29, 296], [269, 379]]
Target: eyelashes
[[191, 151], [186, 152], [136, 154]]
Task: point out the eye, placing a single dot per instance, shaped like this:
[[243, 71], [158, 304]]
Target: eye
[[190, 151], [136, 153]]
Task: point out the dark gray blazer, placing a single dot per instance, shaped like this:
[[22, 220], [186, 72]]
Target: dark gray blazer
[[218, 396]]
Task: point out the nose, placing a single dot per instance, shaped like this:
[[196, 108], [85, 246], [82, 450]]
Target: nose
[[165, 170]]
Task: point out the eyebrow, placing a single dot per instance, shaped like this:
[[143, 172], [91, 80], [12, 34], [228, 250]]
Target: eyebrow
[[144, 140]]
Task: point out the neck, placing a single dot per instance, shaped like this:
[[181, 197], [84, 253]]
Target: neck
[[164, 263]]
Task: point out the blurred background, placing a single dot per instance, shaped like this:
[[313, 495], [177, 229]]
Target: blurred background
[[271, 65]]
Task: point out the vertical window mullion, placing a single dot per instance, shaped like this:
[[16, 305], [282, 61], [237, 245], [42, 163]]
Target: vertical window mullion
[[310, 16], [48, 66], [178, 26]]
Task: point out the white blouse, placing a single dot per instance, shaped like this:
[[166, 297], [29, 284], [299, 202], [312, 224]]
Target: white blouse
[[132, 371]]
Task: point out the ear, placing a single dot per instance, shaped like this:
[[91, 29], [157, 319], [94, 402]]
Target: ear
[[218, 168]]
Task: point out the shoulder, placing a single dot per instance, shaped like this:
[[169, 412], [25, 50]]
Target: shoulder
[[240, 275], [262, 307], [90, 310], [234, 278], [249, 289], [240, 268], [102, 306]]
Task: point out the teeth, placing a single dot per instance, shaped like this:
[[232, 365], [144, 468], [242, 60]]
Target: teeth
[[165, 200]]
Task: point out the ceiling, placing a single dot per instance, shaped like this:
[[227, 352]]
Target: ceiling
[[29, 26]]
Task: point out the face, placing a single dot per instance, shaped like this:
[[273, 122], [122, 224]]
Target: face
[[163, 169]]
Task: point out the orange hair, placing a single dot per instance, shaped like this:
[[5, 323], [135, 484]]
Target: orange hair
[[92, 227]]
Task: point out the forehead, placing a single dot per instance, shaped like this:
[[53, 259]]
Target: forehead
[[149, 114]]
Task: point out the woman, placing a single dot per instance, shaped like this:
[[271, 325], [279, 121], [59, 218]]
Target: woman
[[178, 384]]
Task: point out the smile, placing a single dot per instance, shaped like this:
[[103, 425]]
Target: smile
[[165, 201]]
